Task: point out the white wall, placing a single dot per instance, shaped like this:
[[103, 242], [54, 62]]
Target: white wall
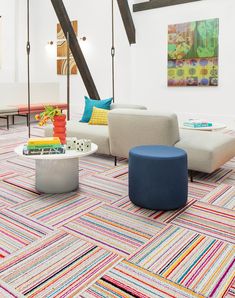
[[149, 69], [141, 70], [94, 22], [16, 93], [13, 64], [7, 45]]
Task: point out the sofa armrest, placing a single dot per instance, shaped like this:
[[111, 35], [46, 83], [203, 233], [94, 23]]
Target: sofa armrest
[[129, 128]]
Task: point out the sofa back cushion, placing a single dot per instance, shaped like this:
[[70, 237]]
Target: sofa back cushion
[[126, 106], [99, 117], [129, 128], [90, 103]]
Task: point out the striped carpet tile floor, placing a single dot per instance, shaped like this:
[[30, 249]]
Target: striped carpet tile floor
[[11, 195], [9, 146], [210, 220], [114, 229], [18, 231], [217, 177], [57, 210], [99, 194], [230, 180], [23, 162], [4, 157], [222, 196], [95, 243], [120, 172], [231, 291], [203, 264], [129, 280], [23, 182], [9, 292], [198, 190], [104, 188], [59, 265], [19, 169], [4, 174], [97, 163], [110, 185], [161, 216]]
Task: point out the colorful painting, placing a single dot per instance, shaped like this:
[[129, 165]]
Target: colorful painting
[[193, 53], [62, 52]]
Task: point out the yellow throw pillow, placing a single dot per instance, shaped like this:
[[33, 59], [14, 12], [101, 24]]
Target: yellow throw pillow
[[99, 117]]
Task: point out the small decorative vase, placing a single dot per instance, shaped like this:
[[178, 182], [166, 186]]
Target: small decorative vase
[[59, 129]]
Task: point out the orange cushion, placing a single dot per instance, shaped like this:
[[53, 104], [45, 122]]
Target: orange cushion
[[39, 107]]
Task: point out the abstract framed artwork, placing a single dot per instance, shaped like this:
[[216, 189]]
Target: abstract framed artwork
[[193, 50], [62, 52], [62, 66], [60, 33]]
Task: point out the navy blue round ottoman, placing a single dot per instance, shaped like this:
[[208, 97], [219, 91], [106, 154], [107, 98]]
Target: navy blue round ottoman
[[158, 177]]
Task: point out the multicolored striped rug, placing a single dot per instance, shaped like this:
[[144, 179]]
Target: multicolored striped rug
[[95, 243]]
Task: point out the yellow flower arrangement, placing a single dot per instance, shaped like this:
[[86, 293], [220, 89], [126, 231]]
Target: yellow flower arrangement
[[48, 115]]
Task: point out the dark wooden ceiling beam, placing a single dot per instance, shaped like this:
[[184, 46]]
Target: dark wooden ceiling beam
[[127, 20], [158, 4], [75, 48]]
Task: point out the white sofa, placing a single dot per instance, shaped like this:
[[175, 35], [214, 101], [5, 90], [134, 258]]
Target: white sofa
[[99, 134], [127, 128]]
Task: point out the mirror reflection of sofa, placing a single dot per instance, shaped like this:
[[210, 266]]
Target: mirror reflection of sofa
[[130, 126]]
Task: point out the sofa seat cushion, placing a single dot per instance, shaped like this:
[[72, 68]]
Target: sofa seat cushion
[[98, 134], [8, 110], [207, 151]]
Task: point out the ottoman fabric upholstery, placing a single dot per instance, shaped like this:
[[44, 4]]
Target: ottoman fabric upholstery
[[158, 177]]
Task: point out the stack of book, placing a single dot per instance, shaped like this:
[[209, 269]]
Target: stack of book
[[197, 123], [42, 146]]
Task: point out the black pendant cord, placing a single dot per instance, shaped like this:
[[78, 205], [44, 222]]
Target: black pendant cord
[[28, 71], [68, 76], [113, 53]]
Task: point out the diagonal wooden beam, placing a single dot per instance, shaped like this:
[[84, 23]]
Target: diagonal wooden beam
[[158, 4], [75, 48], [127, 20]]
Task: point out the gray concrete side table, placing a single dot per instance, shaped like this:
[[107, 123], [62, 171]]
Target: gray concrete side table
[[57, 173]]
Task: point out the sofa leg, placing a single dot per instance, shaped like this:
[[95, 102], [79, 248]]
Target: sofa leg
[[28, 119], [8, 125], [191, 175], [115, 161]]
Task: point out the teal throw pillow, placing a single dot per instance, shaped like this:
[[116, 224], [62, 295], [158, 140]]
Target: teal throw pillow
[[90, 103]]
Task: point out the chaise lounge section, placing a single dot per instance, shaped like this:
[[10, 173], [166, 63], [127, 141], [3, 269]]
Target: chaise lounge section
[[207, 151]]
